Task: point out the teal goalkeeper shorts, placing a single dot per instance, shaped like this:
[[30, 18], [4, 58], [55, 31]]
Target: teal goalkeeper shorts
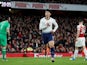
[[3, 40]]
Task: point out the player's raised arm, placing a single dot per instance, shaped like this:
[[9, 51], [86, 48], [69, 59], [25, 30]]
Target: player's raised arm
[[56, 25]]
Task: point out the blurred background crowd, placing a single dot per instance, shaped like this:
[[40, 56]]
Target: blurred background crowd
[[26, 36]]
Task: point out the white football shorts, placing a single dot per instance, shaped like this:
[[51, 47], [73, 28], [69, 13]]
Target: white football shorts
[[80, 42]]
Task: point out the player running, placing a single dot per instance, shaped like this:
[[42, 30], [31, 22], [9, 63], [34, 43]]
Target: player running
[[46, 25], [80, 40], [4, 29]]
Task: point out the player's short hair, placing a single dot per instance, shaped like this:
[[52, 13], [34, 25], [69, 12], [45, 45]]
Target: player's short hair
[[81, 20], [48, 10], [6, 17]]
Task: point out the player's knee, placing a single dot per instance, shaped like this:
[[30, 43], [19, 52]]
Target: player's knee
[[51, 44], [84, 47]]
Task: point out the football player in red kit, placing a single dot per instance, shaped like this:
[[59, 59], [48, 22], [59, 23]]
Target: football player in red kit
[[80, 40]]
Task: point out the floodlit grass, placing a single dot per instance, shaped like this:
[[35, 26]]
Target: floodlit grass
[[43, 61]]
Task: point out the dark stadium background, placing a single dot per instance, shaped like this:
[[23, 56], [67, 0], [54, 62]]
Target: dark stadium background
[[25, 33]]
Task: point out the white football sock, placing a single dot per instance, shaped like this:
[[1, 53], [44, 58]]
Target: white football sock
[[75, 53], [85, 52]]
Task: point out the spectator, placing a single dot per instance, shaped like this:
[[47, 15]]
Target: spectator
[[25, 34]]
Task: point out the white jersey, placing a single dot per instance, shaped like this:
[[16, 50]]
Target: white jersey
[[81, 39], [51, 22]]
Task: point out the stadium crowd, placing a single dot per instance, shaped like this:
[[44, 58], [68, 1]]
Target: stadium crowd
[[26, 36], [58, 1]]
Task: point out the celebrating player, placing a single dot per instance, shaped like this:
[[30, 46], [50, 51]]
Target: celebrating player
[[80, 40], [4, 29], [46, 25]]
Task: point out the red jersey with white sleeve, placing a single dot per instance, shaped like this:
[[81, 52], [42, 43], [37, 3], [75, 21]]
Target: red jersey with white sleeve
[[82, 30]]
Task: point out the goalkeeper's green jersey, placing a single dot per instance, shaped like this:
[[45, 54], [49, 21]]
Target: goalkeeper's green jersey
[[4, 25]]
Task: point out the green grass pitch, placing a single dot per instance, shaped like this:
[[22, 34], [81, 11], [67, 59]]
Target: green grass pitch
[[43, 61]]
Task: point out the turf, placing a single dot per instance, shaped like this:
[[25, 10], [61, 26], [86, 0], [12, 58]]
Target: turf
[[43, 61]]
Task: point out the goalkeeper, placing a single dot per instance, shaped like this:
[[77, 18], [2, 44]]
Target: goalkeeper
[[4, 29]]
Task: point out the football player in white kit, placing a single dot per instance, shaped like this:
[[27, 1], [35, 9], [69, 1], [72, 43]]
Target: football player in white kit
[[46, 26], [80, 40]]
